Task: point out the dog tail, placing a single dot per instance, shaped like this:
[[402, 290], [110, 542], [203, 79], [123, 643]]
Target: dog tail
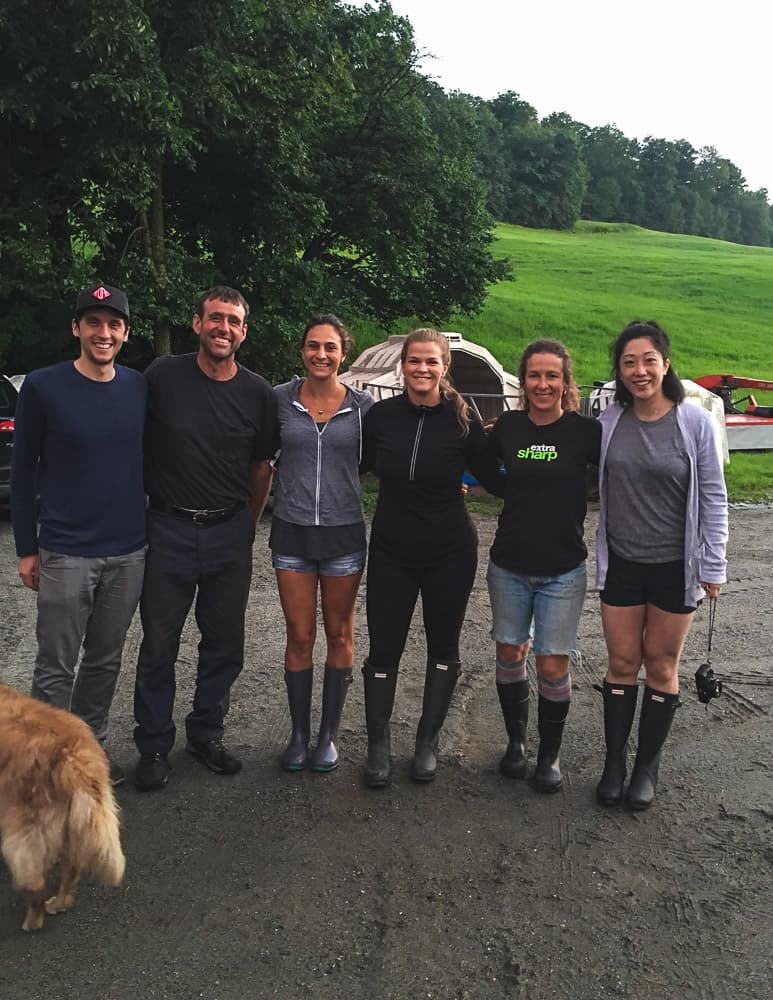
[[93, 833]]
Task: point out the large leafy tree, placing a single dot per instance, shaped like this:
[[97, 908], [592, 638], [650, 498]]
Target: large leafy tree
[[614, 191], [545, 175], [289, 147]]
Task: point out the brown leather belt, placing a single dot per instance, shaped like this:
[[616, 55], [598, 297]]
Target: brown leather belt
[[201, 518]]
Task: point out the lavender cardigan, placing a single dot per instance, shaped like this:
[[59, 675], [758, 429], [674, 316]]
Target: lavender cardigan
[[705, 536]]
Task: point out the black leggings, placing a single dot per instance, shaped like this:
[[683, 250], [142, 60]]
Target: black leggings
[[392, 592]]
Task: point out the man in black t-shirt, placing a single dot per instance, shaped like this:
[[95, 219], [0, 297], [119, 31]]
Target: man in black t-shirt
[[211, 429]]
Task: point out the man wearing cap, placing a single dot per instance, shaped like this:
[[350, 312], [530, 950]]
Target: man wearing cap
[[211, 429], [81, 545]]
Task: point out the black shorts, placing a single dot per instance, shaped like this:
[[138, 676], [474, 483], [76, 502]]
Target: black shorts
[[629, 584]]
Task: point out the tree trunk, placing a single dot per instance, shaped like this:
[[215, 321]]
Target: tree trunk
[[155, 247], [162, 341]]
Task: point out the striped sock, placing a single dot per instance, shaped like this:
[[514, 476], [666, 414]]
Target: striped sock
[[511, 671], [560, 690]]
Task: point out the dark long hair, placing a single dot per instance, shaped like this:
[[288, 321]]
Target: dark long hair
[[570, 399], [657, 336]]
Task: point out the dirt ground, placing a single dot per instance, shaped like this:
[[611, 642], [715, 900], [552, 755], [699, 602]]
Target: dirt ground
[[471, 888]]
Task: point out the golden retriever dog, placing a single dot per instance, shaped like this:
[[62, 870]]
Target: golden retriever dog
[[56, 804]]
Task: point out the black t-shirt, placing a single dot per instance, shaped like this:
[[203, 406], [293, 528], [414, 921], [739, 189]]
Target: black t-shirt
[[202, 435], [540, 530], [419, 454]]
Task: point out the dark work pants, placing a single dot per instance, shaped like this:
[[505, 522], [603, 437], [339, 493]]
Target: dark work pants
[[392, 592], [214, 565]]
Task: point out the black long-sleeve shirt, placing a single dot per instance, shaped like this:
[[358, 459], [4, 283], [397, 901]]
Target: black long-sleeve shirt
[[419, 454]]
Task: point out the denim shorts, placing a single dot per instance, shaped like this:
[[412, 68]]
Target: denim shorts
[[545, 608], [346, 565]]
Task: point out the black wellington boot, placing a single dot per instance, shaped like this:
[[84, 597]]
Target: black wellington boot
[[550, 725], [657, 714], [380, 688], [299, 683], [514, 699], [334, 691], [439, 683], [619, 710]]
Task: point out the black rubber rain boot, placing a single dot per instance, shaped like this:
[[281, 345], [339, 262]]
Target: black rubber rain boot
[[299, 683], [514, 699], [439, 683], [657, 714], [334, 691], [619, 710], [550, 724], [380, 688]]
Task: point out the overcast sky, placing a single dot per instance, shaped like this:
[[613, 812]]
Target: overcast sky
[[673, 69]]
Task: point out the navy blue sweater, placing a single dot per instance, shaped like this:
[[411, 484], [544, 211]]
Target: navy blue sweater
[[78, 443]]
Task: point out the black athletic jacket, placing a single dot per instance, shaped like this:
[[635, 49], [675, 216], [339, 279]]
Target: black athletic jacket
[[419, 454]]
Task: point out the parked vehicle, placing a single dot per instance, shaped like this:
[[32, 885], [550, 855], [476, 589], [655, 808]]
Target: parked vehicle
[[8, 396]]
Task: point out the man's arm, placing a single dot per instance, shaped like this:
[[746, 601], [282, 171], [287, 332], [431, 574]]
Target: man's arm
[[261, 474], [29, 571], [29, 432]]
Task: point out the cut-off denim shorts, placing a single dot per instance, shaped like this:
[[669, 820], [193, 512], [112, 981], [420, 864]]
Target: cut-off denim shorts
[[346, 565], [545, 608]]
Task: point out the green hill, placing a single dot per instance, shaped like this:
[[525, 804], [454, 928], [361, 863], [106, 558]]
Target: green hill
[[714, 298]]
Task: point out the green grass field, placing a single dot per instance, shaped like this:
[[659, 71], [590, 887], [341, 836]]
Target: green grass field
[[714, 298]]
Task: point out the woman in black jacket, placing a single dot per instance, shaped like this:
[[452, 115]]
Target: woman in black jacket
[[422, 542]]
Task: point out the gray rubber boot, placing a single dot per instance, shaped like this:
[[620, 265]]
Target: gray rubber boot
[[334, 691], [439, 683], [657, 714], [380, 689], [299, 684], [619, 710], [514, 700], [551, 718]]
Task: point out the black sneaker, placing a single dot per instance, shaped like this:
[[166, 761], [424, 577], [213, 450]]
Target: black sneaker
[[117, 773], [152, 772], [215, 756]]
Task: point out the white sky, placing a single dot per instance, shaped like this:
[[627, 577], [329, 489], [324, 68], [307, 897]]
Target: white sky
[[698, 70]]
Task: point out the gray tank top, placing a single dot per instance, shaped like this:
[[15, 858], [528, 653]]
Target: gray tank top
[[647, 476]]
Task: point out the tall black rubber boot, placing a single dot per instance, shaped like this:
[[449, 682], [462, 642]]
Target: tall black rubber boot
[[550, 724], [439, 683], [299, 684], [619, 710], [380, 688], [657, 714], [514, 699], [334, 691]]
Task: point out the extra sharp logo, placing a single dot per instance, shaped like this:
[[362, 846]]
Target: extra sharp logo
[[539, 452]]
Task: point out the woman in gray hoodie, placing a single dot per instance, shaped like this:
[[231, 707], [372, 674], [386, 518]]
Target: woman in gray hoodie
[[317, 536], [661, 547]]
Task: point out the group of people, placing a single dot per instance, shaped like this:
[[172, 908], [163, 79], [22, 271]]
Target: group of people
[[216, 434]]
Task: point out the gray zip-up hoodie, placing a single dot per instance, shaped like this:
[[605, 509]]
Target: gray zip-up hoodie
[[317, 479]]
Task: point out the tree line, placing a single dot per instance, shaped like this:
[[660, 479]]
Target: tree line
[[549, 173], [294, 149]]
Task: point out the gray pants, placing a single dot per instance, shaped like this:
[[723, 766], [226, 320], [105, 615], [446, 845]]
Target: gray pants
[[85, 603]]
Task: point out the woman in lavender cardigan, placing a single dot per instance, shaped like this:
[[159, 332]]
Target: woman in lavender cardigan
[[661, 546]]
